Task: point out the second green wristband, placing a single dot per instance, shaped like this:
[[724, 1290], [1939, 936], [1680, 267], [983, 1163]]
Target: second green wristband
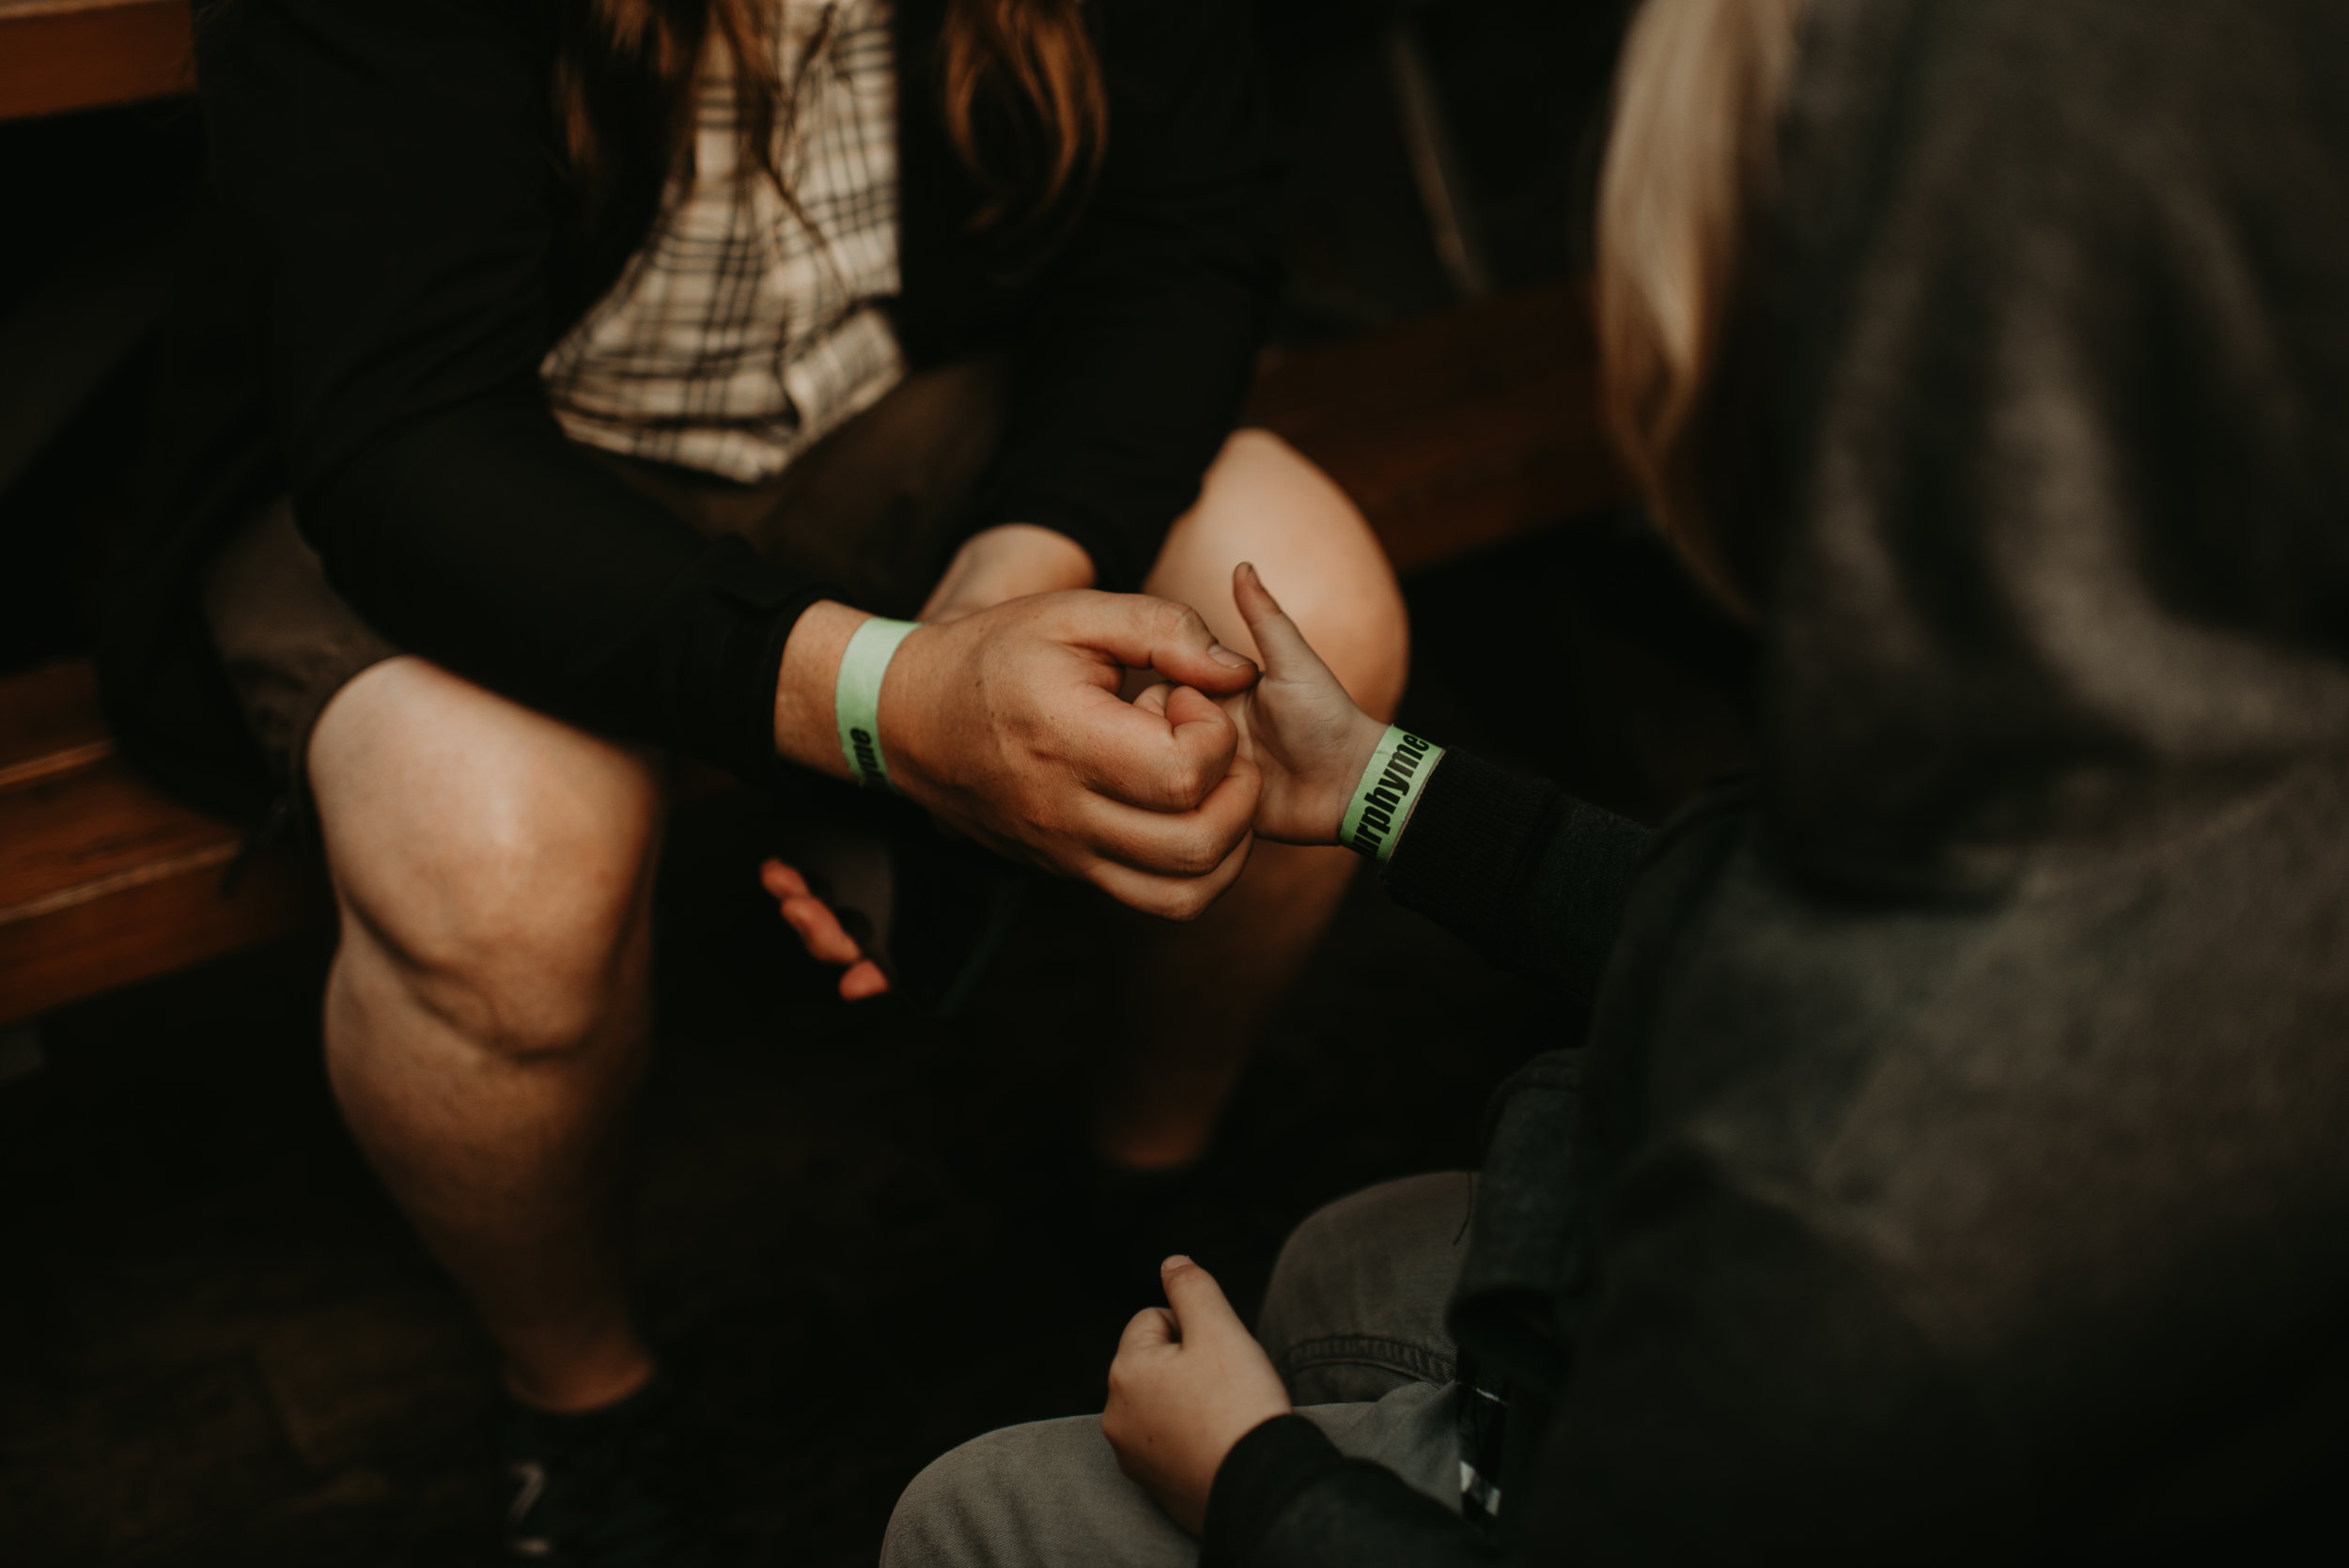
[[1388, 789], [856, 697]]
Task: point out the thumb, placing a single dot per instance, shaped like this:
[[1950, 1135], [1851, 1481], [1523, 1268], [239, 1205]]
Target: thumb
[[1200, 1310], [1145, 633], [1287, 655]]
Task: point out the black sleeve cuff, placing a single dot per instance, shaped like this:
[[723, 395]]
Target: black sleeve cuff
[[485, 541], [713, 687], [1261, 1475], [1467, 843]]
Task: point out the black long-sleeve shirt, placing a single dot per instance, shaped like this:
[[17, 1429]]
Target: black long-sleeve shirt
[[1538, 881]]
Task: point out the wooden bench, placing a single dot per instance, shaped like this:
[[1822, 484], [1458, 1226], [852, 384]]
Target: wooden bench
[[105, 880]]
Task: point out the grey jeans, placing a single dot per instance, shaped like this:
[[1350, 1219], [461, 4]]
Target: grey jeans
[[1353, 1320]]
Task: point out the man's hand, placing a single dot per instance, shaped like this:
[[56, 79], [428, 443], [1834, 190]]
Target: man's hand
[[1008, 726], [1188, 1382]]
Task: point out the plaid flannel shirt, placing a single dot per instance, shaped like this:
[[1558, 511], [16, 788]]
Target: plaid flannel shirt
[[743, 329]]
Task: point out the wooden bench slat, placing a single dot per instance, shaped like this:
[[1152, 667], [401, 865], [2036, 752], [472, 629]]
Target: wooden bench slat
[[47, 711], [103, 880], [83, 826], [57, 56], [137, 931]]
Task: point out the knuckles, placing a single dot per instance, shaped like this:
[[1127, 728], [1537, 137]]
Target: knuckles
[[1199, 853], [1178, 622], [1186, 782], [1184, 902]]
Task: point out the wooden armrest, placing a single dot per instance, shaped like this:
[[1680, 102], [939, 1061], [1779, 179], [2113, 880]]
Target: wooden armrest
[[57, 56]]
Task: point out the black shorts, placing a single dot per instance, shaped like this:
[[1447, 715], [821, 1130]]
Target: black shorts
[[874, 508]]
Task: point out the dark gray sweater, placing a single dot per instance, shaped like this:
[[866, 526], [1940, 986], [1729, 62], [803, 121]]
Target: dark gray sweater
[[1959, 1167]]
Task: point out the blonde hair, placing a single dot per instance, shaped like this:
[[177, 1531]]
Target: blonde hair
[[1690, 156]]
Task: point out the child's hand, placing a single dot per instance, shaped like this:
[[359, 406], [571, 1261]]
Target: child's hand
[[1304, 732], [1297, 724], [1187, 1384]]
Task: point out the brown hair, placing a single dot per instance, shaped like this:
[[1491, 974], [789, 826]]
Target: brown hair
[[626, 71], [1690, 159]]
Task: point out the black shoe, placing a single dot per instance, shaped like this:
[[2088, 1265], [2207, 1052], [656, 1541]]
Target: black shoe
[[612, 1489]]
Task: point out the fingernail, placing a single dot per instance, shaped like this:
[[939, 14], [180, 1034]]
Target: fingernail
[[1175, 1262], [1226, 657]]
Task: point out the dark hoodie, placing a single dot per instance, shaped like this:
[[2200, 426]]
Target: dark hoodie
[[1959, 1166]]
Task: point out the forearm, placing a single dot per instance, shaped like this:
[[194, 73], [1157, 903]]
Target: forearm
[[1131, 370], [484, 542], [1530, 875], [992, 567], [1532, 878], [1286, 1497], [805, 731]]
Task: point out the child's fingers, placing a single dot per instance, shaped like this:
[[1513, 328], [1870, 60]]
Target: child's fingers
[[1148, 1329], [1184, 705], [1200, 1308], [1287, 654], [820, 931], [864, 979]]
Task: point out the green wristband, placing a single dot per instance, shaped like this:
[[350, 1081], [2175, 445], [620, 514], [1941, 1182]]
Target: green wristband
[[1389, 790], [856, 697]]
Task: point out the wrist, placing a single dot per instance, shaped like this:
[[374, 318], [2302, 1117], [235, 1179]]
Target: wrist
[[1362, 743], [1259, 1477], [805, 733], [1380, 807]]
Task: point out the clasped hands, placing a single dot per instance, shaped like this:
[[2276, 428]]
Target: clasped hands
[[1005, 717]]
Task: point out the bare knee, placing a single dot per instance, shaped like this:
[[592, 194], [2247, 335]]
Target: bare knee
[[524, 938], [493, 864], [1266, 502]]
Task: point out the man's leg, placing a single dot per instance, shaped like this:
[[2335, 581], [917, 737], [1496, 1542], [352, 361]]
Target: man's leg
[[490, 1005], [1166, 1083]]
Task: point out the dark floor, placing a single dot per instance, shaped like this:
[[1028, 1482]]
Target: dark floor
[[218, 1342]]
